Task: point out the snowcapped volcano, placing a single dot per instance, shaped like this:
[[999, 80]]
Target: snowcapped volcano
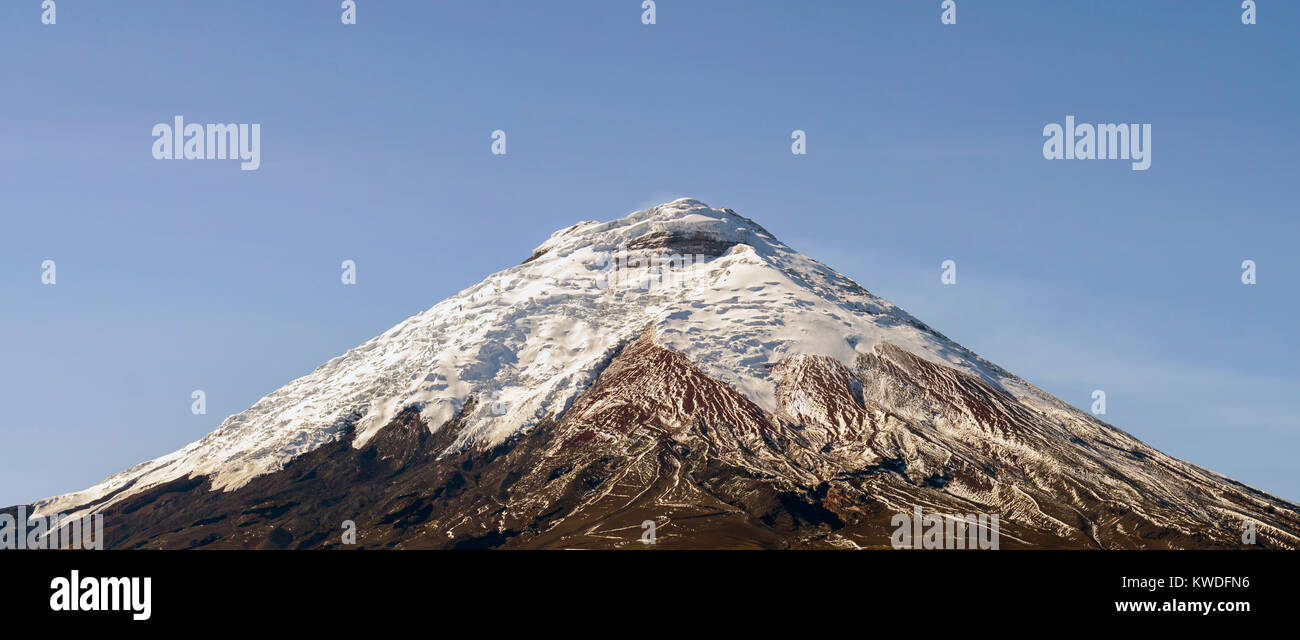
[[679, 365], [532, 337]]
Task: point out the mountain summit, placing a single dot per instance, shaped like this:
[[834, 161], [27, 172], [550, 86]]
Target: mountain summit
[[679, 366]]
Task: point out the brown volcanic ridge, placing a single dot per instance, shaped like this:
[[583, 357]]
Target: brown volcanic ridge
[[654, 435]]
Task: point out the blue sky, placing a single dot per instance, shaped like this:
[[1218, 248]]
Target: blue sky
[[924, 144]]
